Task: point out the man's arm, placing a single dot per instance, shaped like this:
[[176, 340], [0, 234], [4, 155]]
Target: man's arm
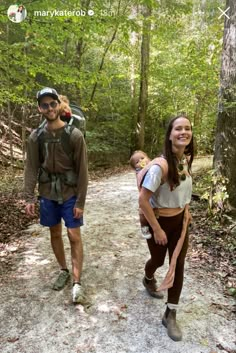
[[31, 168], [81, 168]]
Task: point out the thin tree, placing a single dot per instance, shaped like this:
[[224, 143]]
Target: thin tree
[[106, 50], [80, 49], [225, 143], [143, 95]]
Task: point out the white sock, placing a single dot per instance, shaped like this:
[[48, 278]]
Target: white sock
[[172, 306], [149, 279]]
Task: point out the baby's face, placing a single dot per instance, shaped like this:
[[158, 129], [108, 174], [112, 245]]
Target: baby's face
[[140, 160]]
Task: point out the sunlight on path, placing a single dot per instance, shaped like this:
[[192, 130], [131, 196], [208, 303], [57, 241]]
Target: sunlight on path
[[200, 163]]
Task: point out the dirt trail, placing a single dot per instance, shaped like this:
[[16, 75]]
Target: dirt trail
[[119, 316]]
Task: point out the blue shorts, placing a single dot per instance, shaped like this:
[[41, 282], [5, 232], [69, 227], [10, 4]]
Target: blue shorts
[[51, 213]]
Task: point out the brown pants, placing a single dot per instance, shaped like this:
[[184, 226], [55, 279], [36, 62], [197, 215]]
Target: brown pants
[[172, 227]]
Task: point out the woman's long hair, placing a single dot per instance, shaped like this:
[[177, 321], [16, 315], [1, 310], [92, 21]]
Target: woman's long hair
[[173, 175]]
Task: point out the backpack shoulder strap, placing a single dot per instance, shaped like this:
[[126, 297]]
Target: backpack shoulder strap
[[71, 122], [41, 127], [65, 139], [161, 161], [40, 138]]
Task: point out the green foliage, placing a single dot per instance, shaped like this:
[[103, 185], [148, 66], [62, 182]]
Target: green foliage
[[215, 186], [232, 291], [67, 51], [184, 72]]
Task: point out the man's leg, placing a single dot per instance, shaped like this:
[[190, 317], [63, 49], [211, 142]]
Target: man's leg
[[50, 217], [59, 252], [77, 263], [58, 245], [76, 252], [73, 230]]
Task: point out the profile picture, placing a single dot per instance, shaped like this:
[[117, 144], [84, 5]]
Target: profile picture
[[17, 13]]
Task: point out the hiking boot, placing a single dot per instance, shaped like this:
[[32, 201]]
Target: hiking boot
[[61, 280], [151, 288], [169, 321], [77, 293]]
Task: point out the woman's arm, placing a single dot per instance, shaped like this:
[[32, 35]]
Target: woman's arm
[[159, 234]]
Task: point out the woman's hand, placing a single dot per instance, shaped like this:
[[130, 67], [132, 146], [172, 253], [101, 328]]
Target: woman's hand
[[160, 237], [159, 234]]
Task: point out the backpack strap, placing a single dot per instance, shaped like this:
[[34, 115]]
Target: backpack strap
[[40, 139], [71, 122], [65, 139], [161, 161]]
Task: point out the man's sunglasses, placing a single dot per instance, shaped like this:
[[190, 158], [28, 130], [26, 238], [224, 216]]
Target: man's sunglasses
[[45, 106]]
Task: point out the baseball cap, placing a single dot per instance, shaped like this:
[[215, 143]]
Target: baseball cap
[[47, 91]]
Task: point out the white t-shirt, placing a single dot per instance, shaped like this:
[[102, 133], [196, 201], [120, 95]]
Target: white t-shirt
[[162, 196], [19, 16]]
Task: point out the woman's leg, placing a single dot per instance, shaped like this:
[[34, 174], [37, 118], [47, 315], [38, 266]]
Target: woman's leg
[[158, 253], [175, 291], [169, 318]]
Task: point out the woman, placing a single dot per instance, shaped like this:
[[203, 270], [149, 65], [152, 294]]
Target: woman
[[20, 14], [163, 200]]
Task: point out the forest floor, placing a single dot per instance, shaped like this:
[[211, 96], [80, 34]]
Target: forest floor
[[117, 316]]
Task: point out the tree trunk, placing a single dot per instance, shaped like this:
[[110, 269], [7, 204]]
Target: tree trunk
[[225, 144], [134, 39], [79, 53], [143, 95], [9, 105], [105, 52], [102, 62], [80, 50], [24, 109], [10, 132]]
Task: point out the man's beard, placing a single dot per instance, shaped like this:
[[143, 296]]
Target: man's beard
[[49, 119]]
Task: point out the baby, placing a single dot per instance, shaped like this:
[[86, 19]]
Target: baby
[[138, 161], [65, 110]]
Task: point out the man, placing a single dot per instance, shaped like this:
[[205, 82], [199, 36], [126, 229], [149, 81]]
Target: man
[[62, 182]]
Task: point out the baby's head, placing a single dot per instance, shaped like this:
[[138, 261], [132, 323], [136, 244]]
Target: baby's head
[[139, 160], [64, 106]]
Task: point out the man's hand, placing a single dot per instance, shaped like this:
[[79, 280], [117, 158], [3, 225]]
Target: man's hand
[[160, 237], [78, 212], [30, 209]]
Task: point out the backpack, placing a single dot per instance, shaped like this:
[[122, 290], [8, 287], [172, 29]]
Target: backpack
[[77, 119], [64, 140], [69, 177]]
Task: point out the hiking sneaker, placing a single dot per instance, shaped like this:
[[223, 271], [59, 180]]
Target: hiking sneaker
[[151, 288], [61, 280], [77, 293]]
